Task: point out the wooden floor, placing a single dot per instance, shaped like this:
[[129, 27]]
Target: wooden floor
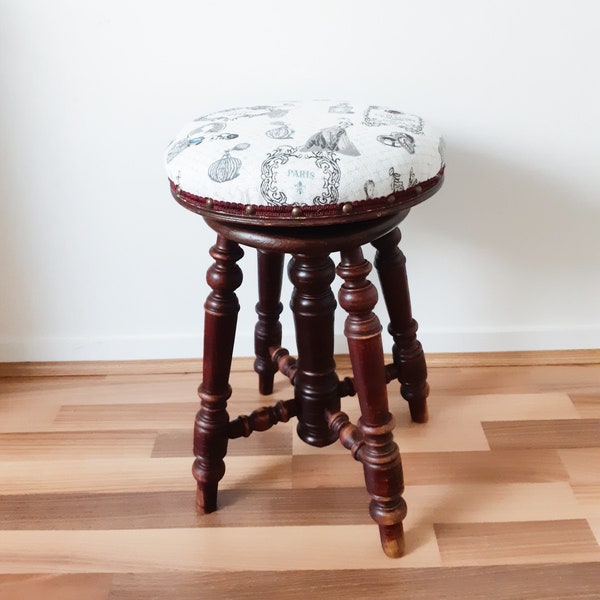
[[97, 497]]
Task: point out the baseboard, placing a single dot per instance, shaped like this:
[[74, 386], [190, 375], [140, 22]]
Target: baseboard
[[178, 353], [188, 365], [136, 348]]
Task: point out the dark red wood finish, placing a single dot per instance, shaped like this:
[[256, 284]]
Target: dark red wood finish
[[317, 388], [308, 216], [316, 383], [267, 333], [390, 263], [379, 454], [212, 421]]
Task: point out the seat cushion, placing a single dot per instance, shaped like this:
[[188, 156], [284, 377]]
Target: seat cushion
[[303, 159]]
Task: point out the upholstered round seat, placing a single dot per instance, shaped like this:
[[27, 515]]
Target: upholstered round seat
[[305, 161]]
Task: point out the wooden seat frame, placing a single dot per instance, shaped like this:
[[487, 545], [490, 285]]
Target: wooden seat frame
[[317, 388]]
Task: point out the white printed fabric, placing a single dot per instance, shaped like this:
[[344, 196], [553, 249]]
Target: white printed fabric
[[303, 154]]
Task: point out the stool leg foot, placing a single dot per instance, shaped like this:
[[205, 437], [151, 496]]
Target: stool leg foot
[[220, 319], [267, 333], [379, 455], [206, 497], [392, 540], [409, 358]]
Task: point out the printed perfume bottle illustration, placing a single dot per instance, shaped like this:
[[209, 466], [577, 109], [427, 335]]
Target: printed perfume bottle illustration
[[396, 182], [227, 167]]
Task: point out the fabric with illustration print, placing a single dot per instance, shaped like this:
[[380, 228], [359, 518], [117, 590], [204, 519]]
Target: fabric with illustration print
[[304, 153]]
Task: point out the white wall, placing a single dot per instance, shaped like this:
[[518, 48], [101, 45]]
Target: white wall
[[98, 262]]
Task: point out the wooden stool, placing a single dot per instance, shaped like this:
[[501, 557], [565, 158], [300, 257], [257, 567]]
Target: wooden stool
[[321, 178]]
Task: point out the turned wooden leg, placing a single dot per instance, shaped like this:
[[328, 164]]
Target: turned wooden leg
[[379, 455], [316, 384], [409, 359], [210, 432], [267, 332]]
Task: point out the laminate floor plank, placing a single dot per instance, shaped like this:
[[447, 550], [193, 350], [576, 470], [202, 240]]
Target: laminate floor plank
[[207, 549], [175, 509], [56, 587], [422, 468], [517, 542], [582, 464], [299, 506], [27, 416], [583, 467], [588, 496], [480, 503], [578, 581], [543, 433], [141, 415], [130, 474], [165, 415], [595, 527], [568, 379], [441, 432], [588, 405], [278, 440], [84, 444]]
